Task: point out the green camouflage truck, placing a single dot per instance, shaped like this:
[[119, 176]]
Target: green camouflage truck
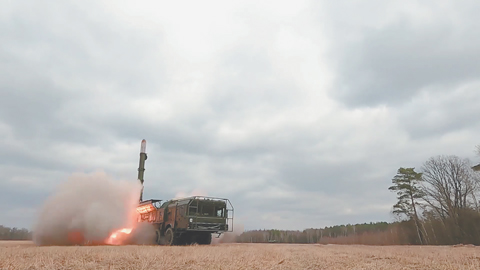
[[187, 220]]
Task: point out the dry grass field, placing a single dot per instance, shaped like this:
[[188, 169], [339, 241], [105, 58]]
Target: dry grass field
[[24, 255]]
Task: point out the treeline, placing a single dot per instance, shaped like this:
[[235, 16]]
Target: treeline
[[7, 233], [378, 233], [439, 205]]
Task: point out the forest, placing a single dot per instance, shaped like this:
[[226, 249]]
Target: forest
[[7, 233]]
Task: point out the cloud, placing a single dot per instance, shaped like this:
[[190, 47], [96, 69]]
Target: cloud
[[299, 113], [437, 114], [391, 61]]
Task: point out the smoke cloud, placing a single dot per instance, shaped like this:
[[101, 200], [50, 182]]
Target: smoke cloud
[[144, 234], [87, 207]]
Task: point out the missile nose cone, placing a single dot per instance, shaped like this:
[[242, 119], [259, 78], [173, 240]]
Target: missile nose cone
[[144, 146]]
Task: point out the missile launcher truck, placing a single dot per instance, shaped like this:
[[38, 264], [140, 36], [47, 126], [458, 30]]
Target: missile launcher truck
[[187, 220]]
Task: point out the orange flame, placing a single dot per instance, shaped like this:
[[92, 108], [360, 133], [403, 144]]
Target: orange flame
[[118, 237]]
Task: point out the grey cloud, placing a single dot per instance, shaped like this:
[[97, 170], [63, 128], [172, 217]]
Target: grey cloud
[[243, 87], [167, 136], [247, 80], [392, 64], [56, 59], [32, 158], [23, 190], [321, 175], [13, 194], [30, 112], [309, 209], [438, 114]]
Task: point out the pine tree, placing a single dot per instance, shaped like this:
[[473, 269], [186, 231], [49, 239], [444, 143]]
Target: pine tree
[[407, 186]]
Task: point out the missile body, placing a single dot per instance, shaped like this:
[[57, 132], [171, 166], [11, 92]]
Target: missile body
[[141, 165]]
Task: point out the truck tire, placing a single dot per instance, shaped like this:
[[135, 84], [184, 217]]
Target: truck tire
[[170, 237], [205, 239], [159, 239], [183, 239]]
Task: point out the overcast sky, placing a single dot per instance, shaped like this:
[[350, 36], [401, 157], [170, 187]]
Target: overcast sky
[[299, 112]]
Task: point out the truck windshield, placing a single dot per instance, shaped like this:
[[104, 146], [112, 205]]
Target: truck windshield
[[206, 209]]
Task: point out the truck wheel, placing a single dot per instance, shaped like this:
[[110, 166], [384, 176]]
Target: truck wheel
[[205, 239], [169, 237], [208, 239], [159, 238]]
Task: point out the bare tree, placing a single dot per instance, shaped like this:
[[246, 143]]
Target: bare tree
[[477, 167], [451, 188]]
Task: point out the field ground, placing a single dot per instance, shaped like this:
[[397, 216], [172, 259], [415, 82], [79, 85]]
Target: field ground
[[24, 255]]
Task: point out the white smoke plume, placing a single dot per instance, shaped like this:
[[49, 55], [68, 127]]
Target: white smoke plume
[[88, 207]]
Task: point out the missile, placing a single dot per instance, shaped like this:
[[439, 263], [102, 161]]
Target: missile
[[141, 165]]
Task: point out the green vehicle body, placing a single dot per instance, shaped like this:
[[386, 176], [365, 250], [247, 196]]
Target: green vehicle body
[[187, 220]]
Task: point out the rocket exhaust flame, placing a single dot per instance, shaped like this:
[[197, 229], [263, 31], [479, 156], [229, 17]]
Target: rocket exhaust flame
[[143, 209], [119, 237]]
